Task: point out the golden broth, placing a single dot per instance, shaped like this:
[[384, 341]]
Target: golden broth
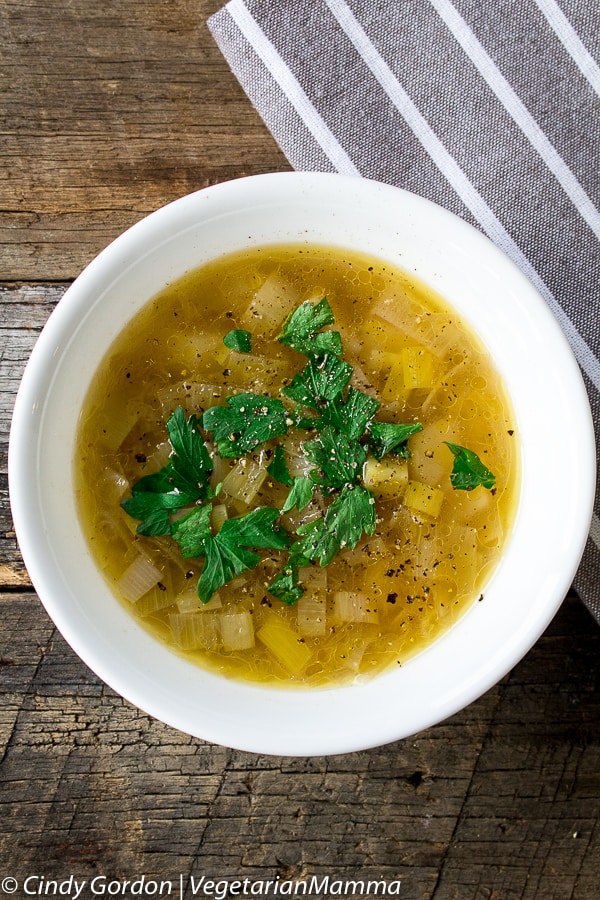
[[434, 547]]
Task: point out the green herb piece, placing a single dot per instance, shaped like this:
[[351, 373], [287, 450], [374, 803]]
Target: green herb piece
[[192, 531], [300, 495], [258, 528], [302, 330], [278, 469], [238, 339], [468, 472], [190, 463], [228, 553], [346, 518], [247, 421], [351, 514], [352, 415], [338, 459], [320, 381], [153, 509], [316, 543], [286, 587], [300, 420], [182, 482], [221, 566], [385, 437]]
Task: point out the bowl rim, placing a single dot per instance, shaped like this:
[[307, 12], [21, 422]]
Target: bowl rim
[[83, 299]]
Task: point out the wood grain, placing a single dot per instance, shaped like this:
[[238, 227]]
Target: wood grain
[[500, 800], [110, 111], [24, 309]]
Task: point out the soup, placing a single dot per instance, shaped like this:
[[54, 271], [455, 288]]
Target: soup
[[297, 466]]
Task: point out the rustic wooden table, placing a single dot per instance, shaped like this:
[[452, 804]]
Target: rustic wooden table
[[109, 111]]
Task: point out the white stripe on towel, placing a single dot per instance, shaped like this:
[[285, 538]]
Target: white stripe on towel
[[291, 87], [571, 41], [518, 112], [458, 179]]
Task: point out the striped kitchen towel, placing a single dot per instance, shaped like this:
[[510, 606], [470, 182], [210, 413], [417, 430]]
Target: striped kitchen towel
[[490, 109]]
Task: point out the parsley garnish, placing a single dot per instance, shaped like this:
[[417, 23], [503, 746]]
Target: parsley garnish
[[300, 494], [238, 339], [190, 463], [192, 530], [153, 507], [385, 437], [183, 481], [350, 416], [468, 472], [228, 553], [339, 460], [346, 518], [286, 587], [322, 379], [247, 421], [278, 469], [342, 419], [301, 330]]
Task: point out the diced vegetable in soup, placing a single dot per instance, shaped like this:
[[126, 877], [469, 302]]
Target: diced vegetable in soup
[[297, 466]]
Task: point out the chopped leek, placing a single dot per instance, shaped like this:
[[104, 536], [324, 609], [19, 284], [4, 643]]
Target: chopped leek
[[138, 578], [284, 643], [237, 631], [424, 499]]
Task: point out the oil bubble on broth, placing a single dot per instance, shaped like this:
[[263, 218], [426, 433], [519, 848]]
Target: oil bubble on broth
[[425, 549]]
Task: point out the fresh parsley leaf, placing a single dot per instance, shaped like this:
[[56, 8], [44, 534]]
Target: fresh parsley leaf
[[190, 463], [182, 482], [300, 495], [306, 319], [385, 437], [247, 421], [315, 543], [258, 528], [235, 558], [286, 587], [351, 514], [192, 531], [152, 511], [299, 420], [320, 381], [278, 469], [216, 571], [346, 518], [228, 554], [239, 340], [302, 330], [161, 482], [352, 415], [468, 472], [338, 459]]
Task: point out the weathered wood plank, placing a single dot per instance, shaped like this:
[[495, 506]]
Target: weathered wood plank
[[126, 790], [110, 112], [24, 310], [500, 800], [529, 825]]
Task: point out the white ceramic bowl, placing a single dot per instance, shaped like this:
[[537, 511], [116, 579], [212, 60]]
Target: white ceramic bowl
[[487, 290]]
